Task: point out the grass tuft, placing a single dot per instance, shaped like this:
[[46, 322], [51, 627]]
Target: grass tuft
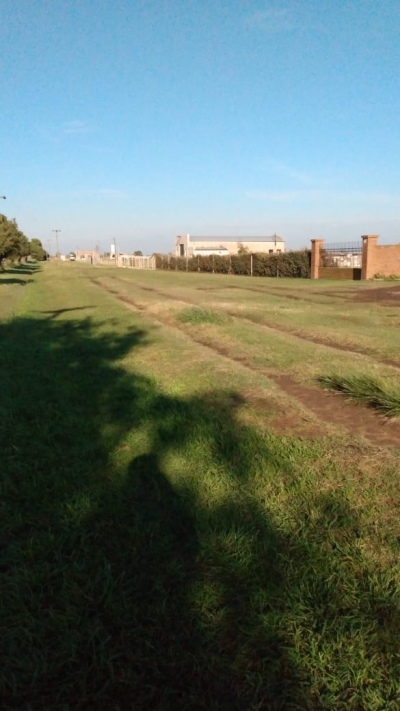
[[196, 316], [367, 390]]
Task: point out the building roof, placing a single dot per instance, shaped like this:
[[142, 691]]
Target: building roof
[[273, 238]]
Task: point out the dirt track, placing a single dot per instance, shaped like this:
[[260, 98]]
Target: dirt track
[[328, 407]]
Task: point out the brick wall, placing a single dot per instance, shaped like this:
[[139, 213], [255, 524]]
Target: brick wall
[[339, 273], [380, 259]]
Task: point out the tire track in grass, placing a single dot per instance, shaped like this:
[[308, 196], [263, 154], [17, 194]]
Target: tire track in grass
[[319, 341], [327, 407], [269, 291], [274, 328]]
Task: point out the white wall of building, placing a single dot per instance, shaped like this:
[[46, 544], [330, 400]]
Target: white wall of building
[[187, 246]]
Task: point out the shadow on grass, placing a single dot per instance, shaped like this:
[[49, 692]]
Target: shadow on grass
[[59, 312], [142, 569], [13, 280], [23, 271], [29, 268]]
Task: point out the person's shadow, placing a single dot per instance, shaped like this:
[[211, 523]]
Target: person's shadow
[[186, 615], [148, 611]]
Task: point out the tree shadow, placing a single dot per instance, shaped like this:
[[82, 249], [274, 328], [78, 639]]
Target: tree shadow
[[21, 282], [23, 269], [141, 567], [59, 312]]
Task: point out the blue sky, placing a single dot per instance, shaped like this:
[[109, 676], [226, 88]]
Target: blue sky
[[143, 119]]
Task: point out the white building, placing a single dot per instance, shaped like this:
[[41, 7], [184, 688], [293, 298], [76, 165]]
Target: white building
[[187, 246]]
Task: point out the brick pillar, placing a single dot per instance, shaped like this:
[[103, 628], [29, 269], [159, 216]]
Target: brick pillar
[[368, 256], [316, 246]]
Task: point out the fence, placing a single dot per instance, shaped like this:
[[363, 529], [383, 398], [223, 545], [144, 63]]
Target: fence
[[129, 261], [338, 260], [345, 255]]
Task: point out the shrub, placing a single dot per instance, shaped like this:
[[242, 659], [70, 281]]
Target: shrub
[[391, 277], [288, 264], [241, 264]]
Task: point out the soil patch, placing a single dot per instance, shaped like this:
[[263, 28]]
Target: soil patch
[[334, 408], [387, 296], [285, 421]]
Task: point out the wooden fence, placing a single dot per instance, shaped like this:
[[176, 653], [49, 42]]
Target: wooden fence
[[129, 261]]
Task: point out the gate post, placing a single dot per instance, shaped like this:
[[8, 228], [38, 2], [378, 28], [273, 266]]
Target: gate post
[[316, 247], [368, 249]]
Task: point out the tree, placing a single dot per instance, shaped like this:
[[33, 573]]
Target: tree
[[138, 253], [13, 243], [22, 246], [37, 251], [242, 249]]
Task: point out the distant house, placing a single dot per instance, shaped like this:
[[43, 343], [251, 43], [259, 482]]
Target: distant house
[[187, 246], [90, 256]]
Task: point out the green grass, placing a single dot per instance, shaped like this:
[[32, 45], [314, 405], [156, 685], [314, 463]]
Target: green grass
[[163, 546], [197, 316], [311, 308], [375, 393], [13, 282]]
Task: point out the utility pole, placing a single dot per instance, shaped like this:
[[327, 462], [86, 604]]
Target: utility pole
[[58, 251]]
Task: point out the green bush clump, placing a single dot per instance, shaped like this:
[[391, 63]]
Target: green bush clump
[[289, 264], [391, 277], [196, 316], [375, 393]]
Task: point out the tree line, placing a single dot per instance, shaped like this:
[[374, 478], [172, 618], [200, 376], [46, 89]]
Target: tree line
[[15, 246]]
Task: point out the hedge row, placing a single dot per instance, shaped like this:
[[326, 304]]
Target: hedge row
[[287, 264]]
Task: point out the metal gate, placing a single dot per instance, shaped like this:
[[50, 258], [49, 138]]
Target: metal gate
[[342, 254], [341, 260]]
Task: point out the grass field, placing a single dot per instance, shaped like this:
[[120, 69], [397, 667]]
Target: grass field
[[191, 518]]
